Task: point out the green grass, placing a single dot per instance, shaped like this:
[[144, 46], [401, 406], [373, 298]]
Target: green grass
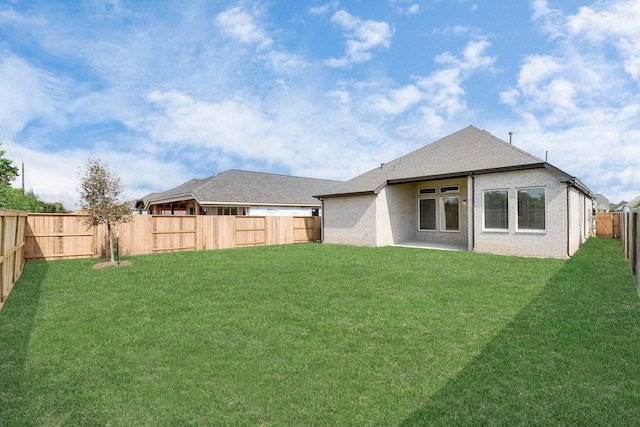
[[324, 335]]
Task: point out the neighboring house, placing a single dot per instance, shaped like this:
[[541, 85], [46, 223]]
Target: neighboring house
[[237, 192], [470, 190], [601, 203], [139, 205], [625, 206]]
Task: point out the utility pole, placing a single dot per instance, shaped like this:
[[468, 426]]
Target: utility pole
[[23, 177]]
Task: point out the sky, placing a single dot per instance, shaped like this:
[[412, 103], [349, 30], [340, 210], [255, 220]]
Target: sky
[[167, 91]]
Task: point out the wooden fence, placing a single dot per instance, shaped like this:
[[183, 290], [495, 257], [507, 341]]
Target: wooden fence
[[64, 236], [12, 239], [630, 238], [608, 224]]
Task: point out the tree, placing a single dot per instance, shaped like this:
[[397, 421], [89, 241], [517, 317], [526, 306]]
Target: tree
[[8, 172], [55, 207], [15, 198], [100, 191]]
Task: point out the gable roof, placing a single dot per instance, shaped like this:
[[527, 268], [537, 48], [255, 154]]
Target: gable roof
[[470, 150], [237, 187], [601, 200]]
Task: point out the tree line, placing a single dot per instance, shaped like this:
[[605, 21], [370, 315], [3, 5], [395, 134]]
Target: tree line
[[17, 198]]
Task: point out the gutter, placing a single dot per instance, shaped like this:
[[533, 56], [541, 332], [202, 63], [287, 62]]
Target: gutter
[[465, 174], [355, 193]]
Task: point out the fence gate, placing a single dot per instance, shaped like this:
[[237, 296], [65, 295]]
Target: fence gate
[[608, 224]]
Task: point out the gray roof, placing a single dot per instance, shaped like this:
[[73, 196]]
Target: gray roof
[[249, 188], [470, 150], [601, 200]]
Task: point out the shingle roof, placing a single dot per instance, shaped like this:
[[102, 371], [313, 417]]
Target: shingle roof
[[245, 187], [467, 150]]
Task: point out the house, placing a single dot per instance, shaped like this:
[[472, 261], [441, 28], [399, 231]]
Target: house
[[601, 203], [238, 192], [625, 206], [469, 190]]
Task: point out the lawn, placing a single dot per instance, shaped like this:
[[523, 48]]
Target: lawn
[[324, 335]]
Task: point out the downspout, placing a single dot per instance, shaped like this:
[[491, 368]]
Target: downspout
[[321, 220], [472, 209], [568, 221]]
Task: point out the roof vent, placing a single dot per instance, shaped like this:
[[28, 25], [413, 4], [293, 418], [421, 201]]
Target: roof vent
[[510, 135]]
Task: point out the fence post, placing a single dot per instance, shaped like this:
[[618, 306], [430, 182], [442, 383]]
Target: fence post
[[637, 250], [633, 232]]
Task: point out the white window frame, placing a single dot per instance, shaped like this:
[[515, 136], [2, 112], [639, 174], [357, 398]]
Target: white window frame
[[443, 216], [449, 189], [484, 210], [427, 191], [531, 230]]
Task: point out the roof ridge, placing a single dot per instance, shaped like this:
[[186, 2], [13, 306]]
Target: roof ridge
[[274, 174]]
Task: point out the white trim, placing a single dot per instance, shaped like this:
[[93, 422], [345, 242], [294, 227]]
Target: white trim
[[436, 213], [443, 216], [531, 230], [456, 186], [495, 230], [429, 193]]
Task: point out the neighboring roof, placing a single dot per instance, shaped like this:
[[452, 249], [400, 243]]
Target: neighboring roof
[[470, 150], [624, 204], [248, 188], [601, 200], [139, 203]]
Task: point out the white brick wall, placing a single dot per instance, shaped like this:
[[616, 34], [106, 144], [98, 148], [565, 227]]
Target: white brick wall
[[350, 220], [392, 216], [552, 242]]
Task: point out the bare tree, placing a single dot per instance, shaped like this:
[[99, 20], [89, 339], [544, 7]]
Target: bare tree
[[100, 192]]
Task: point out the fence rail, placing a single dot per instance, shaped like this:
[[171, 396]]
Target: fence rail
[[630, 237], [12, 239], [64, 236]]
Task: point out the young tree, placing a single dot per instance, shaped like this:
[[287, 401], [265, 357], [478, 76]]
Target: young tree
[[100, 191]]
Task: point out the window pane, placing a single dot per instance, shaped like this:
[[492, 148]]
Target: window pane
[[496, 209], [531, 206], [451, 213], [450, 189], [427, 214]]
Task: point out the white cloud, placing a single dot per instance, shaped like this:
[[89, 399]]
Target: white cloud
[[614, 23], [363, 36], [580, 101], [240, 25], [324, 9], [31, 93], [397, 101], [473, 57]]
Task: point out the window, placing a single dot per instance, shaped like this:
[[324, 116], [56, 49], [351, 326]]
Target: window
[[496, 209], [230, 210], [450, 189], [427, 214], [450, 213], [427, 191], [531, 209]]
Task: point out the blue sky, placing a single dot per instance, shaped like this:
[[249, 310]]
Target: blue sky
[[168, 91]]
